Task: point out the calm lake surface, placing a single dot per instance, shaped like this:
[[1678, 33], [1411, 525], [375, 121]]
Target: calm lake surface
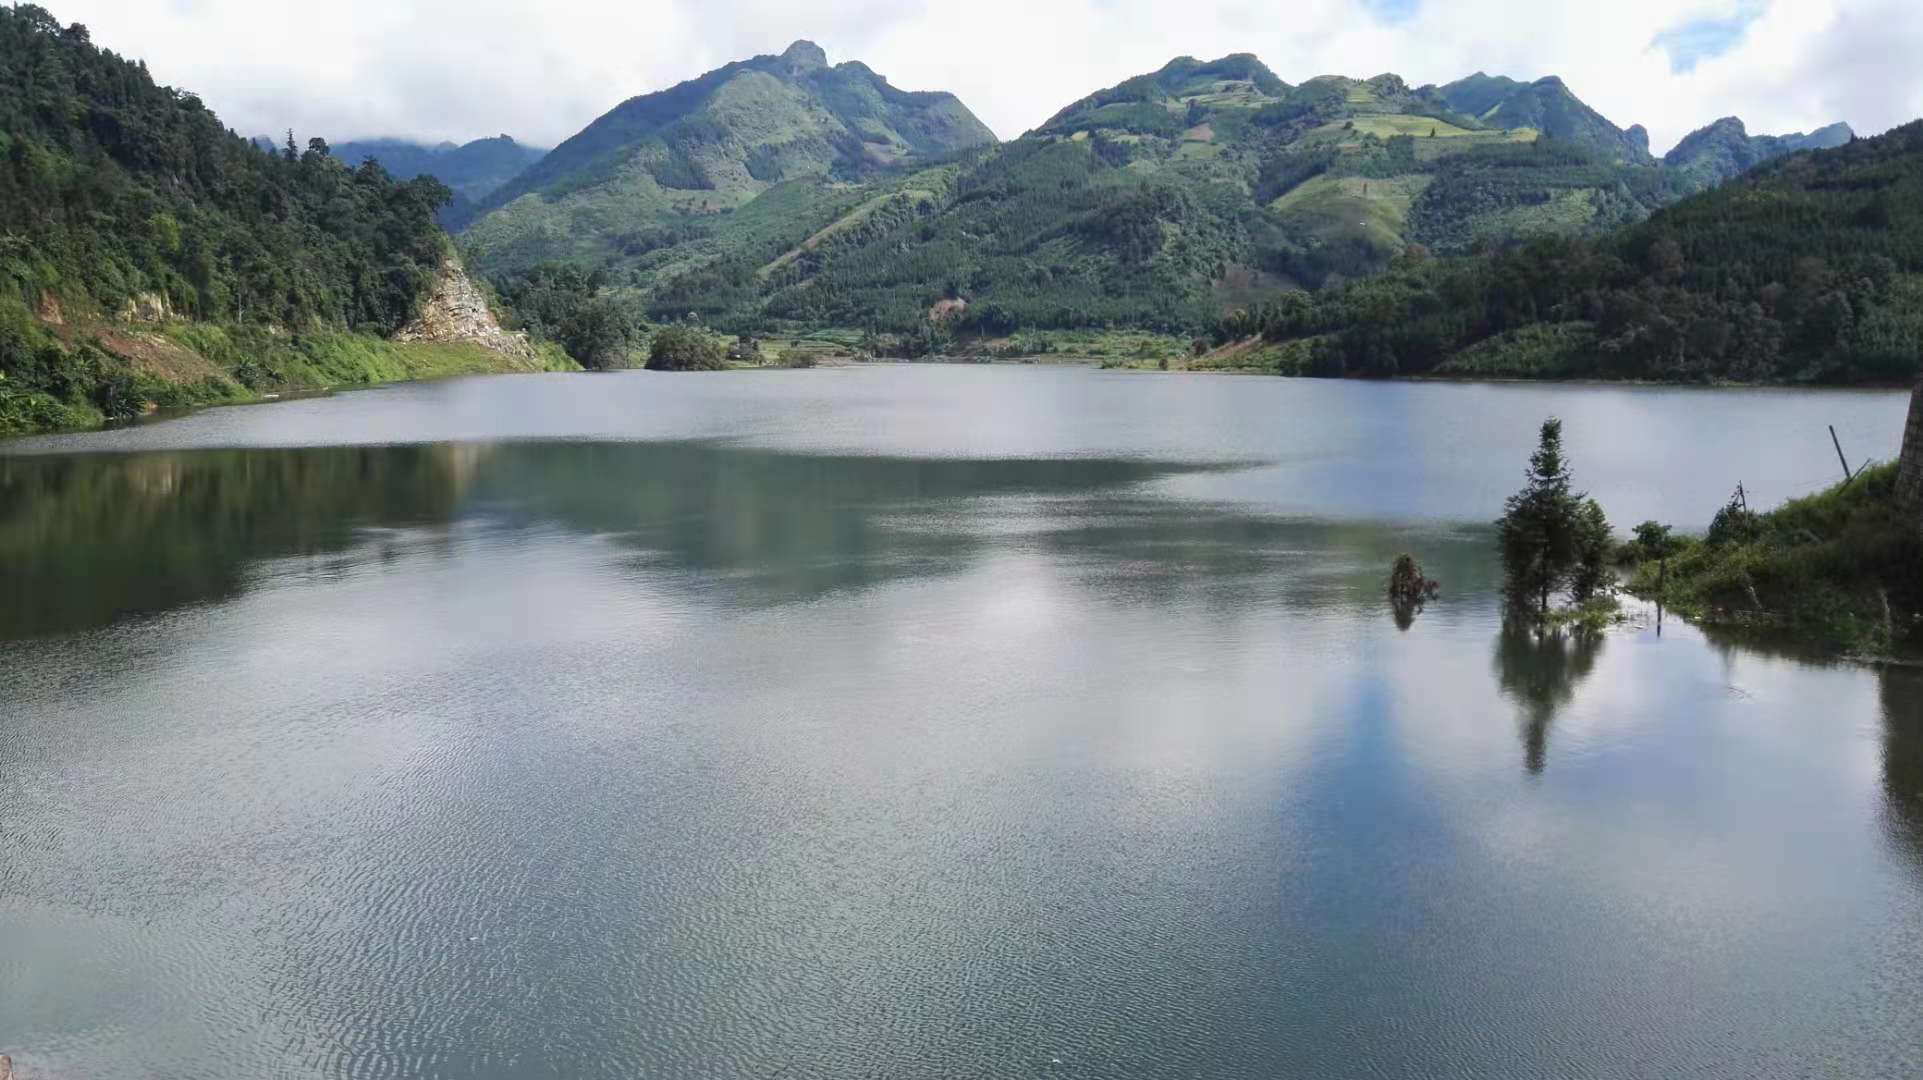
[[923, 722]]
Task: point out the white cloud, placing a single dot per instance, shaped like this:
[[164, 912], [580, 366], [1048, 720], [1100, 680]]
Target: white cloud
[[460, 69]]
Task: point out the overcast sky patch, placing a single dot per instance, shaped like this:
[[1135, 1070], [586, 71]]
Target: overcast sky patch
[[465, 69]]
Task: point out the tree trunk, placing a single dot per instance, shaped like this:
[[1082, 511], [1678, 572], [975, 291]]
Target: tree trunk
[[1909, 471]]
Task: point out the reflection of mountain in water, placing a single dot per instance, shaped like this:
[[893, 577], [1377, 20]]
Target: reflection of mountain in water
[[1539, 671], [88, 540], [776, 526]]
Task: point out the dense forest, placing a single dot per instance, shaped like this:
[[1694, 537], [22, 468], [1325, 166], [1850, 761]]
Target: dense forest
[[1809, 269], [1044, 234], [1155, 205], [120, 197]]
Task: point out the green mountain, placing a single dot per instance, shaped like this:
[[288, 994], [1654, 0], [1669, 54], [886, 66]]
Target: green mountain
[[712, 145], [1546, 106], [473, 171], [1726, 149], [1808, 268], [1158, 203], [150, 256]]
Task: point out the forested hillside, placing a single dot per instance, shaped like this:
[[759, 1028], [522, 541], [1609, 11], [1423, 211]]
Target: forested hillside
[[1157, 204], [122, 201], [1807, 269]]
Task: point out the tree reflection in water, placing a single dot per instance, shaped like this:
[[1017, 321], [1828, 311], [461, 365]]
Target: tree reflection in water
[[1902, 695], [1539, 670]]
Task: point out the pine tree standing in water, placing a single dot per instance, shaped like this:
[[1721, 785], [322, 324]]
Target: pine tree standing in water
[[1540, 529]]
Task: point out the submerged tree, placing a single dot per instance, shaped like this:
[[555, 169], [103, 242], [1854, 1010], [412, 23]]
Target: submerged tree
[[1409, 590], [1591, 576], [1553, 538]]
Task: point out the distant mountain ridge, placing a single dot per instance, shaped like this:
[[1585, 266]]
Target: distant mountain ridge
[[714, 143], [779, 191], [473, 171], [1726, 149]]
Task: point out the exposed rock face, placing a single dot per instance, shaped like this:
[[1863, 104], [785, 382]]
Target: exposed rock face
[[457, 312], [147, 307]]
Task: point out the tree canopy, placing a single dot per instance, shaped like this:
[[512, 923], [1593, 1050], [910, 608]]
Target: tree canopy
[[1809, 269]]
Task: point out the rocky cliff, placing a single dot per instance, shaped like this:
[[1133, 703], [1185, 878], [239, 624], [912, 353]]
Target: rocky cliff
[[458, 312]]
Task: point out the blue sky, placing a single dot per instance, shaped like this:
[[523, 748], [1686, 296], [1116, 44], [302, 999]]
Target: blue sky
[[1691, 42], [1392, 11]]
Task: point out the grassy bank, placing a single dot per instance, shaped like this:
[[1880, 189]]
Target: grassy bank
[[75, 381], [1842, 569]]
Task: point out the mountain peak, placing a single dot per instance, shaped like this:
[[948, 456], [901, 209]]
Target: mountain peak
[[1830, 136], [714, 143], [805, 54], [1725, 148]]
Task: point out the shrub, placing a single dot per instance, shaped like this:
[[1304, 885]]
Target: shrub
[[685, 348], [1733, 524]]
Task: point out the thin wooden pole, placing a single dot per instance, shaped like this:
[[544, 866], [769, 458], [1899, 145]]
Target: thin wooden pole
[[1847, 474], [1662, 582]]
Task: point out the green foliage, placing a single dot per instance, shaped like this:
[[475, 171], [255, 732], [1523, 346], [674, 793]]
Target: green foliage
[[685, 348], [1552, 539], [114, 188], [561, 303], [1809, 269], [1653, 541], [1735, 523], [1591, 577], [1843, 568], [118, 196], [1499, 192], [1042, 235]]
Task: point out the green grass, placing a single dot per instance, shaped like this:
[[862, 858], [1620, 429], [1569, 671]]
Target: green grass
[[1842, 569], [1336, 209], [1429, 150], [1388, 126], [249, 362], [1596, 613], [264, 360]]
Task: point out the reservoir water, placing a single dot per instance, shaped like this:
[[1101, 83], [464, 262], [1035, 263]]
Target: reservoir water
[[924, 722]]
